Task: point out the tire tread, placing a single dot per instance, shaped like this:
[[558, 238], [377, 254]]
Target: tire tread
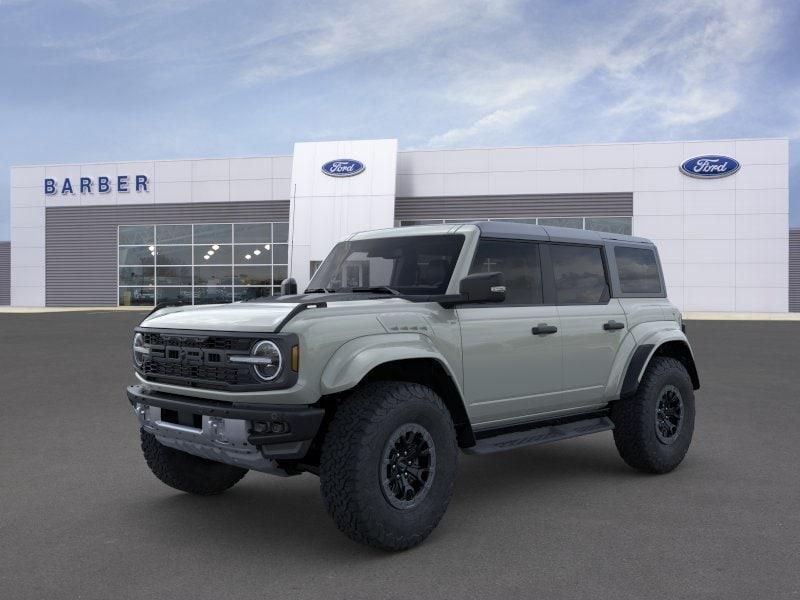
[[360, 417], [187, 473]]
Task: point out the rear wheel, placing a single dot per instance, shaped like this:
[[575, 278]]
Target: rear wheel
[[653, 430], [186, 472], [388, 464]]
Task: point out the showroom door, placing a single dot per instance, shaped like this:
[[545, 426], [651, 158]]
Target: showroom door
[[511, 351]]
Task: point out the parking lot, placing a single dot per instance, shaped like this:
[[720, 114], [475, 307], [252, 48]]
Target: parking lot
[[82, 517]]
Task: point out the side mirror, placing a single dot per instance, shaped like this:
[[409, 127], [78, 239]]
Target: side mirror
[[482, 287], [288, 287]]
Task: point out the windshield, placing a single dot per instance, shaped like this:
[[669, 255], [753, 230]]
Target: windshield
[[419, 264]]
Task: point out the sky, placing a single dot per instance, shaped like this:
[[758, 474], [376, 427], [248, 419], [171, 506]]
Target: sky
[[101, 80]]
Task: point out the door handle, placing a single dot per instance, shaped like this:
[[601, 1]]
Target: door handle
[[544, 329], [611, 325]]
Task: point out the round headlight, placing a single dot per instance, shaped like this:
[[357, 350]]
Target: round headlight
[[269, 364], [139, 350]]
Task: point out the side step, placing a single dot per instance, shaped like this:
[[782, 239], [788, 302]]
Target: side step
[[538, 433]]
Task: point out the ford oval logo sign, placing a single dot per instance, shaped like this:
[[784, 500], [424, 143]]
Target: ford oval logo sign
[[343, 167], [710, 166]]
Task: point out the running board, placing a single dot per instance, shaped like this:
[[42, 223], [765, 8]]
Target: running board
[[539, 434]]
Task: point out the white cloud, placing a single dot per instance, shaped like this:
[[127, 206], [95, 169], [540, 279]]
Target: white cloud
[[699, 59], [302, 41], [497, 121]]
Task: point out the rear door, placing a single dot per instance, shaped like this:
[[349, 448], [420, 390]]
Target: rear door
[[510, 371], [592, 323]]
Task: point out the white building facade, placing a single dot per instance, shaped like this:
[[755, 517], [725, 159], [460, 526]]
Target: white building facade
[[220, 230]]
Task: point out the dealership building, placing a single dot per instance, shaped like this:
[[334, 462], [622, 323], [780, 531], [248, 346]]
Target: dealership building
[[227, 229]]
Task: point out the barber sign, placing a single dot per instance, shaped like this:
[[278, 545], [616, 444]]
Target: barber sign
[[710, 166], [343, 167]]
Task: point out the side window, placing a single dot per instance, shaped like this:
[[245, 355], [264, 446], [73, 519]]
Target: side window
[[519, 264], [579, 274], [638, 270]]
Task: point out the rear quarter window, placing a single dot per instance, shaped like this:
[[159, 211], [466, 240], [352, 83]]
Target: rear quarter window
[[638, 270]]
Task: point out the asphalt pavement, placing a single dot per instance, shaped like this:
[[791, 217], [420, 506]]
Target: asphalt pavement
[[81, 516]]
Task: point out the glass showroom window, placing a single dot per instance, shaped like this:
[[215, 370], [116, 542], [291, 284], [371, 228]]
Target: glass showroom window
[[201, 263], [607, 224]]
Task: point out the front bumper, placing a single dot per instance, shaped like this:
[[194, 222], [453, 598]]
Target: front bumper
[[253, 436]]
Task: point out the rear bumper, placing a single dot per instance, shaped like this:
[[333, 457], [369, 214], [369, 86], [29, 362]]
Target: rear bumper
[[247, 435]]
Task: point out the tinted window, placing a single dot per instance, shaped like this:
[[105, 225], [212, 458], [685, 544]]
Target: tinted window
[[638, 270], [420, 264], [579, 274], [519, 264]]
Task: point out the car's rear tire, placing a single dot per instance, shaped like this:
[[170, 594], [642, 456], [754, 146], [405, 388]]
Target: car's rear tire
[[186, 472], [653, 430], [388, 464]]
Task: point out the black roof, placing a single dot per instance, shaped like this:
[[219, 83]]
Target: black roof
[[506, 229]]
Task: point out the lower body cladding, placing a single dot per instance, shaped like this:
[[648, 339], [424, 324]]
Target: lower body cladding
[[250, 436]]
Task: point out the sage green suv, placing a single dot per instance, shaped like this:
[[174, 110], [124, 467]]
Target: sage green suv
[[412, 344]]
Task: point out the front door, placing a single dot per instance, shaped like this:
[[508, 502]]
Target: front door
[[512, 352]]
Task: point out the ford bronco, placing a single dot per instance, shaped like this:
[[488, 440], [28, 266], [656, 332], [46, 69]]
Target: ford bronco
[[409, 346]]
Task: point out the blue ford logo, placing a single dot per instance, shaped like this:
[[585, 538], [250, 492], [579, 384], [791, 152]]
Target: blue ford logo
[[343, 167], [710, 166]]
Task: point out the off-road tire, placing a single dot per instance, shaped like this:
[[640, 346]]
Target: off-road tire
[[635, 419], [351, 463], [186, 472]]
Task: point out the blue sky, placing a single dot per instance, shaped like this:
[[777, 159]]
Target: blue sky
[[105, 80]]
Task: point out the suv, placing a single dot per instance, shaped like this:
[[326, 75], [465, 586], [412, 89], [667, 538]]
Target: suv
[[412, 344]]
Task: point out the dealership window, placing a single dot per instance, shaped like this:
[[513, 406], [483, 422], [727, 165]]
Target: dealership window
[[201, 263], [607, 224]]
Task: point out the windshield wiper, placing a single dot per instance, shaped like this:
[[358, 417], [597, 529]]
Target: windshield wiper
[[378, 289], [320, 291]]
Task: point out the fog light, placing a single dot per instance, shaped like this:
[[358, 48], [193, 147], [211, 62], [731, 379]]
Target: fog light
[[279, 427], [271, 427]]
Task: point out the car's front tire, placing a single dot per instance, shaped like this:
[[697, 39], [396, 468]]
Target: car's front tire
[[653, 430], [388, 464], [186, 472]]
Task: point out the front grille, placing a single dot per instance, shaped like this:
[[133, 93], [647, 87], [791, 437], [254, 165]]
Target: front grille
[[197, 360], [155, 368], [206, 342]]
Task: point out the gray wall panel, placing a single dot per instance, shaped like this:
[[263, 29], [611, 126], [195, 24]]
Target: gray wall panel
[[5, 273], [794, 270], [82, 241], [484, 207]]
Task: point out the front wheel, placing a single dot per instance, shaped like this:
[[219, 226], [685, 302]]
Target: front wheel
[[388, 464], [653, 430], [186, 472]]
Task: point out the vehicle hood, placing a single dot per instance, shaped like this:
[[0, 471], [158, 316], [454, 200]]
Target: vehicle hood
[[257, 316], [221, 317]]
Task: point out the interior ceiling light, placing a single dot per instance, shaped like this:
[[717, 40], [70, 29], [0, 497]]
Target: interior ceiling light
[[266, 246], [151, 248], [215, 247], [256, 252], [211, 253], [206, 257], [247, 257]]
